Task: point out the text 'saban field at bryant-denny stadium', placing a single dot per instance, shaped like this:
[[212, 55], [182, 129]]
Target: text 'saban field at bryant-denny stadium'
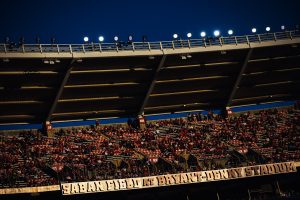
[[177, 179]]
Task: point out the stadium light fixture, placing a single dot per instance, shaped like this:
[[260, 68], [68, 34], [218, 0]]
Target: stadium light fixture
[[268, 28], [130, 38], [216, 33], [283, 27], [116, 38], [202, 34], [6, 60], [86, 39], [254, 30], [189, 35], [183, 57], [79, 60], [230, 32], [101, 38], [175, 35]]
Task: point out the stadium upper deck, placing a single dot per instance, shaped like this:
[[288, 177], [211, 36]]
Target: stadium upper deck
[[68, 82]]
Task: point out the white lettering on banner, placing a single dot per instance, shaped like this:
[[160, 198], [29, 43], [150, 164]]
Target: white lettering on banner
[[176, 179]]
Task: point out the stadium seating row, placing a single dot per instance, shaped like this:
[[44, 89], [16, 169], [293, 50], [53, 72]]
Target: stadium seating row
[[167, 146]]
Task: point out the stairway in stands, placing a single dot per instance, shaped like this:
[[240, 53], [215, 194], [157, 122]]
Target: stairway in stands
[[20, 182], [168, 131]]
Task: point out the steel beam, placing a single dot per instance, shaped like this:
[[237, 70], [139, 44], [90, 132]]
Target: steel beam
[[60, 90], [239, 77], [151, 86]]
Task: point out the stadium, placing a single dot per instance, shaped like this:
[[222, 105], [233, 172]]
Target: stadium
[[211, 118]]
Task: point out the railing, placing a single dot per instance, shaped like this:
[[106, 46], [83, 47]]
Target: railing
[[138, 46]]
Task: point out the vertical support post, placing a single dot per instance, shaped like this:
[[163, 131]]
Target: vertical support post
[[149, 47], [70, 47], [60, 90], [5, 50], [290, 34], [259, 39], [93, 46], [173, 46], [189, 44], [83, 48], [235, 39], [161, 47], [275, 38], [247, 38], [151, 86], [218, 197], [239, 77], [57, 46], [133, 46], [100, 47], [220, 40], [249, 194], [278, 188]]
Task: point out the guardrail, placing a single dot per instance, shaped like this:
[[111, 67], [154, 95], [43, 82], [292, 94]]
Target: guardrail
[[138, 46]]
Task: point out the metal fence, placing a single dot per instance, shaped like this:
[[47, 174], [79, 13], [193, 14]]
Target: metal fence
[[142, 46]]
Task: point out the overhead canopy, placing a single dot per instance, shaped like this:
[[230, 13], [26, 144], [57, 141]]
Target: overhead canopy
[[87, 86]]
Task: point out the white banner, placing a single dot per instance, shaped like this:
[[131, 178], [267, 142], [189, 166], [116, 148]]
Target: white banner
[[176, 179], [30, 189]]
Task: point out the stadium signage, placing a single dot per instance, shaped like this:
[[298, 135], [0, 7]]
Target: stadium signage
[[176, 179]]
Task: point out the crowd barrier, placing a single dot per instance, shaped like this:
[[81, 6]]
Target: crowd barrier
[[142, 46]]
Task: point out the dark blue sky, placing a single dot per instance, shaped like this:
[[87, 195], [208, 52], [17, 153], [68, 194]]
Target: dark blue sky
[[70, 20]]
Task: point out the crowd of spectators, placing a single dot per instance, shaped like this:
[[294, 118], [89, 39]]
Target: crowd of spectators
[[198, 142], [18, 166]]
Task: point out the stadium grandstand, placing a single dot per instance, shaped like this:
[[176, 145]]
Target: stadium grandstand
[[212, 118]]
